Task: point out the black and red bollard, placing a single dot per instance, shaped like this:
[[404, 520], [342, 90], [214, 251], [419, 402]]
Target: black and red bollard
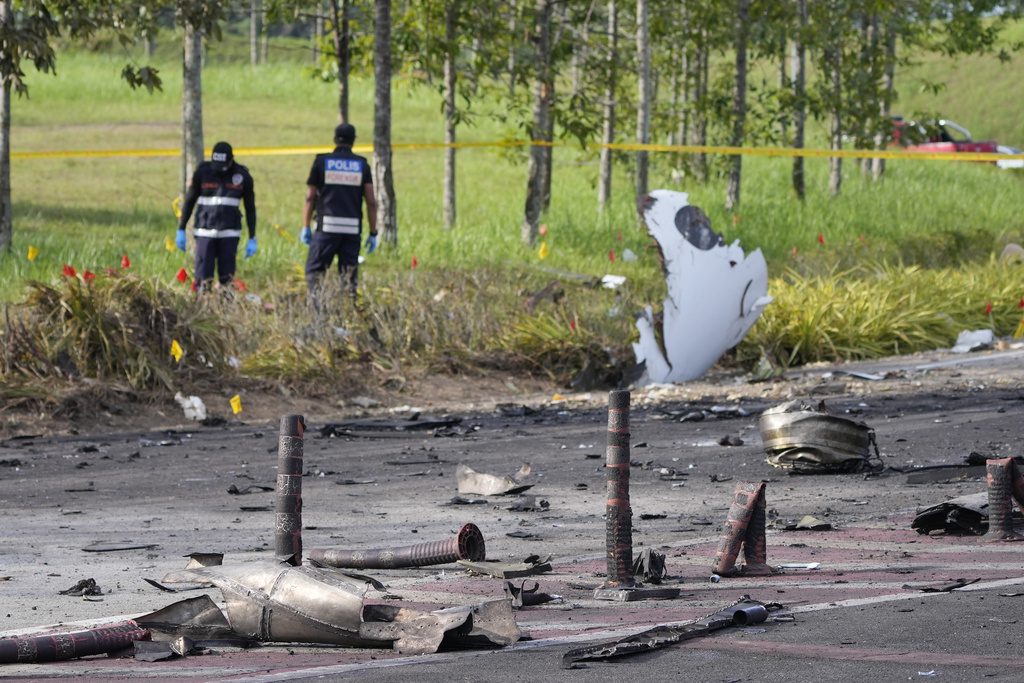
[[620, 584], [288, 512], [744, 529], [1000, 476]]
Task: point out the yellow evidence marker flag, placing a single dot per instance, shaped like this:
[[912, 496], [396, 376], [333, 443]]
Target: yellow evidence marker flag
[[236, 404], [169, 244], [176, 350], [544, 250], [32, 253], [176, 206]]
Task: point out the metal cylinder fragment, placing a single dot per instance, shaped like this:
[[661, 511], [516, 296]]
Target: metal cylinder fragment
[[744, 529], [1017, 483], [618, 513], [999, 476], [467, 544], [288, 511], [55, 647]]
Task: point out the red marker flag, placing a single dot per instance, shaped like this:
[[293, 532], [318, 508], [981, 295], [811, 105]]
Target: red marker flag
[[125, 262], [988, 308], [88, 276], [239, 285], [182, 275], [821, 239], [69, 271], [414, 262], [611, 255], [1020, 304]]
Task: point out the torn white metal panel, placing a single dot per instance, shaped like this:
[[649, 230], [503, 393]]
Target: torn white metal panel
[[715, 293]]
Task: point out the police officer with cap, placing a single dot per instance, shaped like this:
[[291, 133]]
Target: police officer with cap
[[219, 188], [337, 186]]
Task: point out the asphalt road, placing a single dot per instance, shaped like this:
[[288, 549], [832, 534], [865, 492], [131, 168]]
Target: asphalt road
[[859, 616]]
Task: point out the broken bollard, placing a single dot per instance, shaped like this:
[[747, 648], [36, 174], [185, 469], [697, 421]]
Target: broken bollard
[[744, 528], [55, 647], [288, 515], [999, 475], [468, 544], [620, 584]]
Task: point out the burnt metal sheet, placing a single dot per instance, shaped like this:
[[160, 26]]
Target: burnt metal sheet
[[649, 566], [469, 481], [741, 613], [356, 427], [962, 515], [467, 544]]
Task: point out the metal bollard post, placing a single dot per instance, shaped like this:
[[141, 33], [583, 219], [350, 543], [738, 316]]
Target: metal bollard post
[[618, 514], [999, 476], [288, 515], [744, 528]]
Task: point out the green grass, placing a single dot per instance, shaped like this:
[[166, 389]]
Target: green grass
[[88, 212]]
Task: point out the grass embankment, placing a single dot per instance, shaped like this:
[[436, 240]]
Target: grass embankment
[[464, 305]]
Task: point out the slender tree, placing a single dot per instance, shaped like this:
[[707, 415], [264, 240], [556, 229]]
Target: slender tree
[[384, 184], [537, 172], [739, 106], [255, 28], [611, 61], [451, 16], [799, 97], [191, 102], [644, 96]]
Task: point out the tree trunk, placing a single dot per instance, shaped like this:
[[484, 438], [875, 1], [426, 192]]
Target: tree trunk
[[739, 105], [701, 95], [878, 165], [149, 44], [643, 113], [537, 175], [255, 29], [512, 66], [800, 99], [783, 86], [317, 36], [342, 53], [835, 164], [387, 219], [451, 13], [191, 104], [6, 224], [604, 181]]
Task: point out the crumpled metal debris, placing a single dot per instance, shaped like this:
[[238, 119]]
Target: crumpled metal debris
[[160, 650], [805, 438], [808, 523], [467, 544], [470, 481], [741, 613], [276, 602], [649, 566], [715, 292], [55, 647], [83, 587], [534, 564], [521, 596], [375, 427], [962, 515]]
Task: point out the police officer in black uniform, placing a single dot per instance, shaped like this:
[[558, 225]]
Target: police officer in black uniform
[[338, 184], [219, 187]]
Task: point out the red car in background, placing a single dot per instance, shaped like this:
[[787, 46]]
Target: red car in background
[[941, 135]]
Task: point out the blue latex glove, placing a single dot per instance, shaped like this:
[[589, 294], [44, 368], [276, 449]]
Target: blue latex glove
[[371, 244], [306, 236], [250, 248], [179, 241]]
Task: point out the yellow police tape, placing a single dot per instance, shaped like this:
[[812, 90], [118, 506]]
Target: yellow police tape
[[624, 147]]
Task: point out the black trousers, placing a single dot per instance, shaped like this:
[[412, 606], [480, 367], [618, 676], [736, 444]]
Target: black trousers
[[215, 252], [322, 251]]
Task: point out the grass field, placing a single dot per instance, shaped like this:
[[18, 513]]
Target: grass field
[[89, 212]]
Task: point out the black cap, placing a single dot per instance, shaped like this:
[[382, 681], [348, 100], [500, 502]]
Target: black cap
[[344, 134], [223, 156]]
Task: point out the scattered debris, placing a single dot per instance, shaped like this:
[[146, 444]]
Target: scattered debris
[[976, 340], [530, 566], [101, 547], [376, 427], [355, 482], [730, 440], [715, 293], [961, 515], [83, 587], [805, 438], [649, 566], [745, 612], [55, 647], [744, 528], [159, 586], [943, 587], [193, 406], [251, 488], [471, 481], [799, 565], [160, 650], [528, 504], [720, 478], [809, 523], [462, 500], [521, 596], [467, 544], [524, 535]]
